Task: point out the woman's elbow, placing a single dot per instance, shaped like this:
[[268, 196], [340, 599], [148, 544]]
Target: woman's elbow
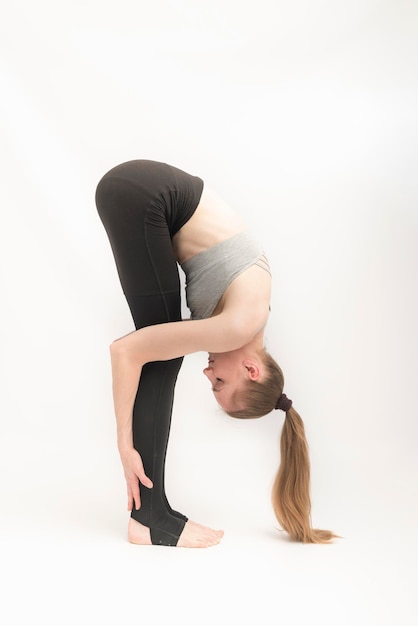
[[117, 347]]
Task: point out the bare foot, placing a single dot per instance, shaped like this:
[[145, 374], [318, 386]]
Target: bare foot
[[194, 535], [138, 533]]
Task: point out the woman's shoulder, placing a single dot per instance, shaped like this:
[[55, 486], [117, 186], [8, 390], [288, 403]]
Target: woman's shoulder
[[247, 299]]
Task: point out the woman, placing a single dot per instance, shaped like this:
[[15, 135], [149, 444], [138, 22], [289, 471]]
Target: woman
[[156, 217]]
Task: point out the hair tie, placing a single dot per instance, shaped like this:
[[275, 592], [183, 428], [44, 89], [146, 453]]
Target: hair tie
[[283, 403]]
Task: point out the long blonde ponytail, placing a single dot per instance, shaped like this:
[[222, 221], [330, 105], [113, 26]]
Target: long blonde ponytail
[[291, 489]]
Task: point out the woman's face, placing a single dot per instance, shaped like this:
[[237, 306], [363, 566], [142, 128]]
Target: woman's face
[[227, 373]]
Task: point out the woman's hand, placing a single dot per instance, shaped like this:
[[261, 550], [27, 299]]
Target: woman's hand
[[134, 471]]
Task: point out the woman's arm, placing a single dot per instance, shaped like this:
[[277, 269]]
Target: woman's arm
[[221, 333], [162, 342], [126, 375], [244, 314], [125, 380]]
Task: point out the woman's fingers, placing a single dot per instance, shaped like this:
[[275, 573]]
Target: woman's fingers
[[134, 474], [135, 493], [147, 482], [130, 499]]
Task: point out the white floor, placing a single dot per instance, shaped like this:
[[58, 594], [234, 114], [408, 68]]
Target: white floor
[[65, 560]]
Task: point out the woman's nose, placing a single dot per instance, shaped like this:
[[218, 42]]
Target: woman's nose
[[207, 371]]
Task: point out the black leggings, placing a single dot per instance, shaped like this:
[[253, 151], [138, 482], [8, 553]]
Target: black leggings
[[142, 204]]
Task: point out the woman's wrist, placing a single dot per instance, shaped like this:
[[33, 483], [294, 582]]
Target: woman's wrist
[[125, 445]]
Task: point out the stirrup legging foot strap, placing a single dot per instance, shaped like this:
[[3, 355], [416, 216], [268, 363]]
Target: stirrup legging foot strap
[[160, 537]]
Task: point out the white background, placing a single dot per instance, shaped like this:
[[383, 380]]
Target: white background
[[303, 115]]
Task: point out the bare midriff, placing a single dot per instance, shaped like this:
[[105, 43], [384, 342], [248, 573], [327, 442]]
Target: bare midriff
[[212, 222]]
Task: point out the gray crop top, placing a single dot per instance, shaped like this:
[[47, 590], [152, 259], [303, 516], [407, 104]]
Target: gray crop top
[[210, 272]]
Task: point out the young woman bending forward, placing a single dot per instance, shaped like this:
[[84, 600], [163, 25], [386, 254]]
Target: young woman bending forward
[[158, 217]]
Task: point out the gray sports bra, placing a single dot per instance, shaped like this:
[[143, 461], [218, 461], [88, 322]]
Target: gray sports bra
[[210, 272]]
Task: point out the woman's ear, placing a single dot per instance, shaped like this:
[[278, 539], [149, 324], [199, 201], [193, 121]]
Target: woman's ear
[[253, 370]]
